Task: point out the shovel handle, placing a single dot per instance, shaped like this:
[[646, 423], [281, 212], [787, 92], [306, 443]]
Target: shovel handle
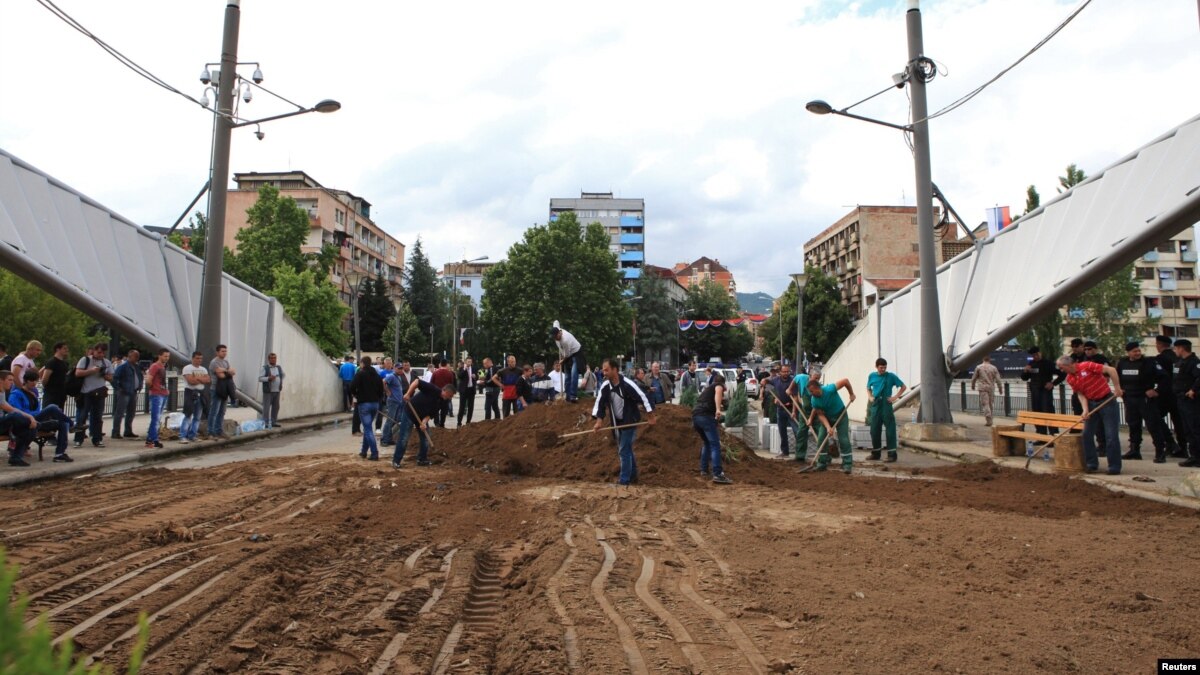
[[591, 431]]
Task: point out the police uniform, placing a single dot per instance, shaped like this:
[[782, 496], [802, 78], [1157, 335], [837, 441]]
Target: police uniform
[[1139, 382], [1186, 380], [1041, 372], [1176, 442]]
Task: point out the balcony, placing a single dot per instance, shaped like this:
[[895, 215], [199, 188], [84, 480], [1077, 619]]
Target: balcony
[[1188, 256], [1168, 284], [1150, 256], [1154, 312], [632, 256], [638, 238]]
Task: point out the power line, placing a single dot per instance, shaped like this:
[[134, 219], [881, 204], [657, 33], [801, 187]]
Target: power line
[[975, 92], [115, 53]]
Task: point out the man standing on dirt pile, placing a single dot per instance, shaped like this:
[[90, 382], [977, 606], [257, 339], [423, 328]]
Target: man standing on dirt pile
[[1187, 395], [984, 381], [508, 381], [423, 401], [879, 396], [617, 400], [571, 353], [1087, 380], [540, 385], [705, 416], [1139, 380], [828, 405]]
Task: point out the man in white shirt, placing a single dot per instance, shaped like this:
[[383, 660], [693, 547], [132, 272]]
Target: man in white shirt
[[557, 379], [25, 361], [195, 390], [571, 354]]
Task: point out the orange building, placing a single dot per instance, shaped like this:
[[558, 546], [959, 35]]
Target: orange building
[[705, 269]]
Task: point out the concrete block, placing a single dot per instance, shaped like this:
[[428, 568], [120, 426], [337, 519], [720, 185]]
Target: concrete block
[[933, 432]]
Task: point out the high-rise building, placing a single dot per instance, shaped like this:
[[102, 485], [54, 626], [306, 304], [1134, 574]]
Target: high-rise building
[[336, 218], [623, 219], [467, 278], [1170, 292]]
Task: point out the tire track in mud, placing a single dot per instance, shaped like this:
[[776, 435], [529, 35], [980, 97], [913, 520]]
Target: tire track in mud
[[553, 593], [682, 638], [629, 644], [391, 653]]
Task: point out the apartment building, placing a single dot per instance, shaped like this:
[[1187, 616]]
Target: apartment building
[[1170, 291], [623, 219], [336, 217], [467, 278], [705, 269]]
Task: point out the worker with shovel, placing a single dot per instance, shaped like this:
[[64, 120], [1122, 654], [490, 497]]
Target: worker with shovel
[[617, 399], [1089, 381], [423, 400], [797, 392], [827, 403]]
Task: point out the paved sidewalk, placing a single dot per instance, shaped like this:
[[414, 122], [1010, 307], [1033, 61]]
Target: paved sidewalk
[[1168, 482], [120, 452]]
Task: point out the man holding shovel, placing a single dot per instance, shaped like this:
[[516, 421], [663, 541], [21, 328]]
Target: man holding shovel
[[778, 386], [827, 403], [1087, 380], [617, 399], [423, 400], [797, 391]]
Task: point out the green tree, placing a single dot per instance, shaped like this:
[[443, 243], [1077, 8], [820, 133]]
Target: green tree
[[827, 321], [559, 271], [1032, 199], [375, 309], [33, 314], [707, 301], [1074, 177], [196, 241], [277, 228], [311, 300], [1103, 314], [739, 407], [422, 291], [412, 341], [689, 396], [657, 319], [1047, 334]]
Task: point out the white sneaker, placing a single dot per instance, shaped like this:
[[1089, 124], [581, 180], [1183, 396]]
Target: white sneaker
[[184, 440]]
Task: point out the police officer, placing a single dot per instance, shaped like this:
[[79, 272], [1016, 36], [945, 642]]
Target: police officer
[[1039, 373], [1186, 385], [1177, 442], [1140, 378]]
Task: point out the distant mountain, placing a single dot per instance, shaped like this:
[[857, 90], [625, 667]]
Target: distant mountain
[[755, 303]]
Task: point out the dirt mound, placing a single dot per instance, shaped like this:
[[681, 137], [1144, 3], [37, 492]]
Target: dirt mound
[[668, 453]]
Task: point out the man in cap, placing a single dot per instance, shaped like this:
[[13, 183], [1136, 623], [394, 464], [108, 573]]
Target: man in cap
[[1167, 405], [1140, 378], [571, 353], [1040, 373], [1186, 385]]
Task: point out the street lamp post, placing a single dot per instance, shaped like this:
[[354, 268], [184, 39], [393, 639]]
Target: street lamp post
[[398, 303], [208, 323], [355, 279], [801, 279], [454, 304], [935, 402], [633, 327]]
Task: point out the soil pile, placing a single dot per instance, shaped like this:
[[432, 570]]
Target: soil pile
[[668, 453]]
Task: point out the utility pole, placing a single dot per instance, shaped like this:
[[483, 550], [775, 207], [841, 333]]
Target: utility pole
[[935, 397], [208, 324]]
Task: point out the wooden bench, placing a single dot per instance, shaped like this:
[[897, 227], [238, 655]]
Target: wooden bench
[[1009, 440], [41, 439]]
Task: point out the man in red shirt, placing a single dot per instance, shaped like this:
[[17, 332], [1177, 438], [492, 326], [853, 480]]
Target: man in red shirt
[[1087, 380], [440, 378]]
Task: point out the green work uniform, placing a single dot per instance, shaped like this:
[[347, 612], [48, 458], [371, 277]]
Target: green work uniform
[[800, 426], [830, 403], [882, 414]]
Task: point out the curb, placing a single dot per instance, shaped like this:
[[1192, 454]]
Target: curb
[[131, 459]]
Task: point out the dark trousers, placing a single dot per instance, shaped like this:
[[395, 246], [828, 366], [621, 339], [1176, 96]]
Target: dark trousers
[[124, 408], [1189, 412], [16, 427], [1042, 400], [511, 407], [355, 420], [1139, 410], [1168, 406], [346, 396], [93, 412], [784, 421], [466, 405], [491, 403]]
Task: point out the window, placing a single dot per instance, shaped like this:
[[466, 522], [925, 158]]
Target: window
[[1171, 302], [1187, 331], [1185, 246], [1151, 301], [916, 248], [466, 283], [1143, 272], [1166, 275], [1186, 274], [1166, 247]]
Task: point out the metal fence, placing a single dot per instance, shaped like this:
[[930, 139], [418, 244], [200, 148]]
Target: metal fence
[[1012, 397], [174, 399]]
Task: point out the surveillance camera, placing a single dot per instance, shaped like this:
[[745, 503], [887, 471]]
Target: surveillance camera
[[259, 135], [899, 79]]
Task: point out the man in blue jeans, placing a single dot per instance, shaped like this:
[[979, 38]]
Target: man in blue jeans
[[784, 407], [19, 426], [571, 354], [617, 400], [423, 400], [195, 389], [222, 374], [705, 416], [1089, 381], [50, 418], [369, 392], [397, 383], [346, 375]]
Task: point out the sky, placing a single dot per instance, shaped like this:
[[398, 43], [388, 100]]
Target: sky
[[460, 121]]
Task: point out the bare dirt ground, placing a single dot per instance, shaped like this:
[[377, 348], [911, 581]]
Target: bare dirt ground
[[506, 558]]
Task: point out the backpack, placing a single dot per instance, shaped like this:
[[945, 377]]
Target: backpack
[[74, 382]]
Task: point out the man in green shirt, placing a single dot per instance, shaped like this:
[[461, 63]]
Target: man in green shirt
[[827, 403], [879, 401], [798, 390]]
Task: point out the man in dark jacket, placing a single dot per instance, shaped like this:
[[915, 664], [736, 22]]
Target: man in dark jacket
[[1186, 385], [1167, 405], [424, 400], [1040, 373], [617, 399], [1140, 378], [466, 391], [368, 391], [491, 390]]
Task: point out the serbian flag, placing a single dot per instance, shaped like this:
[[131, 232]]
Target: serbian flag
[[462, 336], [997, 219], [756, 318], [685, 324], [735, 322], [701, 325], [716, 323]]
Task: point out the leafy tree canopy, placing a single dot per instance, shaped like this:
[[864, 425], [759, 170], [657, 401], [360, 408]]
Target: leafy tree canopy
[[827, 321], [277, 228], [657, 318], [709, 300], [33, 314], [311, 300]]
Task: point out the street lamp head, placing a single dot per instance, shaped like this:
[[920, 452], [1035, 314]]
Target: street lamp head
[[818, 107], [327, 106], [801, 279], [353, 278]]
